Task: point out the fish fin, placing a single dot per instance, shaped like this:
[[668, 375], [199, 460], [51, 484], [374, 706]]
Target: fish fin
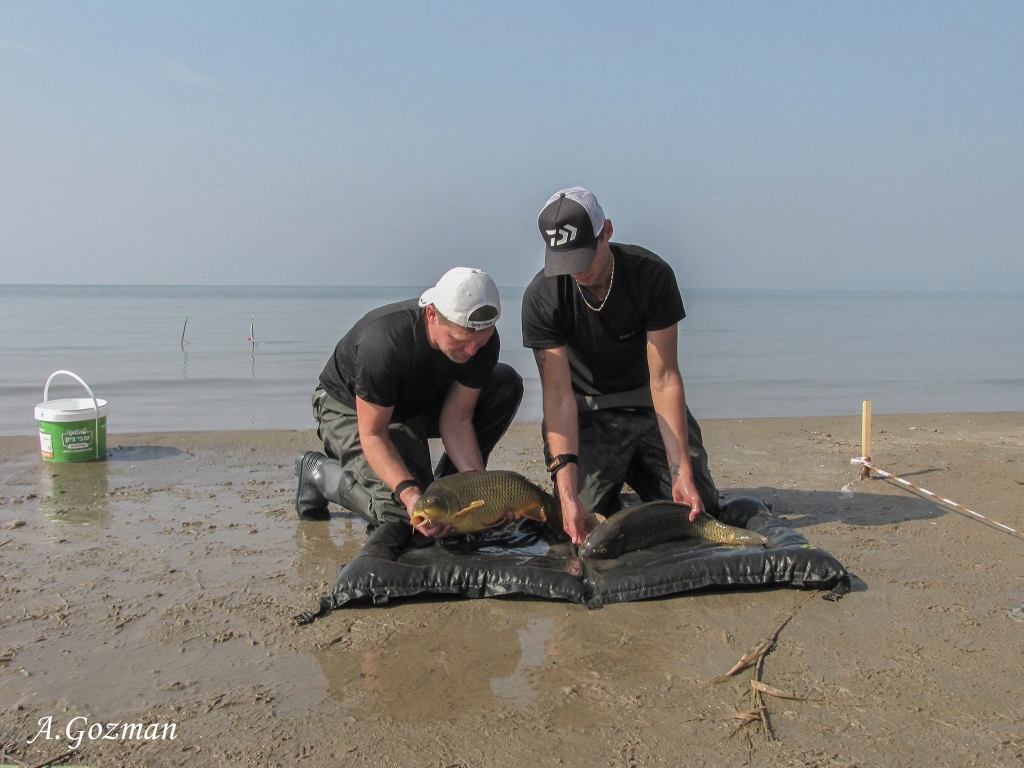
[[475, 505], [593, 519], [535, 512]]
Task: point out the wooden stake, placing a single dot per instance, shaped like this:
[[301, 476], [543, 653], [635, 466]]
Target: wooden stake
[[865, 436]]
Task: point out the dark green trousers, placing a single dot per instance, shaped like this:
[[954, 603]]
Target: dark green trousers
[[338, 428]]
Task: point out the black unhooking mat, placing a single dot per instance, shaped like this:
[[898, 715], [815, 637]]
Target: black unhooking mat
[[529, 559]]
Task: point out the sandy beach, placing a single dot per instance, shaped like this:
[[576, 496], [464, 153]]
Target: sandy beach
[[158, 588]]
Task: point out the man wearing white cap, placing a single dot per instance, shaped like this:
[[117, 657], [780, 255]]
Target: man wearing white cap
[[404, 373], [601, 319]]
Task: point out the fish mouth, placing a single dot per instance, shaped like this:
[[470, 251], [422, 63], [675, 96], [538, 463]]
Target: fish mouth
[[418, 518]]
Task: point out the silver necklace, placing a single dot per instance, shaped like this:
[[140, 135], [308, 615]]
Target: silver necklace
[[611, 282]]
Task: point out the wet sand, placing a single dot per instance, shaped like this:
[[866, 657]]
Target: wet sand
[[158, 587]]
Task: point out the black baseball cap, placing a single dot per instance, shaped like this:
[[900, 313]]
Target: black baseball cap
[[570, 224]]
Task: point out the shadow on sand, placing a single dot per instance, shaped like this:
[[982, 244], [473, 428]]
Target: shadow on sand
[[134, 453], [883, 505]]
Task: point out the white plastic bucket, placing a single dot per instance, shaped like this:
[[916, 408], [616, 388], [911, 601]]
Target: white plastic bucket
[[73, 429]]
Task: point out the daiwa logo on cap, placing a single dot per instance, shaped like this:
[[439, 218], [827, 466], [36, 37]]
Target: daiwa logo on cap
[[571, 222], [567, 235]]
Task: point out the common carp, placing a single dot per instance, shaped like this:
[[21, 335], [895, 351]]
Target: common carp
[[473, 501], [644, 525]]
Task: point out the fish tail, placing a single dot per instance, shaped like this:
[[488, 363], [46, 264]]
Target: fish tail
[[711, 528]]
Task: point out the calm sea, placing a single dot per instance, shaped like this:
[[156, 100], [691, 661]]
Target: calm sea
[[742, 353]]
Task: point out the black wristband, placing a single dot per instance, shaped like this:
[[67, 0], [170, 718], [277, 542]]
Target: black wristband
[[403, 486], [558, 463]]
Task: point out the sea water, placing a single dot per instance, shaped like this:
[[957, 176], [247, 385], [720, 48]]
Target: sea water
[[249, 357]]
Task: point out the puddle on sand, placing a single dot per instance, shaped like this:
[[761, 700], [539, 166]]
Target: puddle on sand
[[158, 579], [520, 687], [136, 670], [77, 494], [466, 661], [324, 547]]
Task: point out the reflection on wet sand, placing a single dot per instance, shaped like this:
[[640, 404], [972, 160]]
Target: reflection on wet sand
[[455, 663], [324, 547], [535, 641], [75, 493]]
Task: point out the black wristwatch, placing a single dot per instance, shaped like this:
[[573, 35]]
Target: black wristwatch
[[559, 463]]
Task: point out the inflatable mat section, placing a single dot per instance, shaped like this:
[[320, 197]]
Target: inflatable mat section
[[528, 559]]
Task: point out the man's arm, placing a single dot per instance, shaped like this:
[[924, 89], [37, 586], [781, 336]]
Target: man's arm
[[561, 423], [670, 406], [456, 427], [384, 458]]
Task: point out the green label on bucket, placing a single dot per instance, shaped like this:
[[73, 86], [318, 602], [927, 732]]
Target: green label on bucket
[[77, 438], [73, 441]]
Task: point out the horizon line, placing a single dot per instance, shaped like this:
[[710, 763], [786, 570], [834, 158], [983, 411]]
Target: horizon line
[[418, 287]]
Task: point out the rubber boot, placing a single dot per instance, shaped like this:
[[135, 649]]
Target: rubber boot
[[322, 480]]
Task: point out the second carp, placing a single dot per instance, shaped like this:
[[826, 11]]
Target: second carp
[[644, 525]]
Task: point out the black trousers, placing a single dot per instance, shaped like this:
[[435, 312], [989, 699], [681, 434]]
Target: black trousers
[[624, 445]]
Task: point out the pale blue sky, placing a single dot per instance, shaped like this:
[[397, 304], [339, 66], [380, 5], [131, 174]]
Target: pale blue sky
[[775, 145]]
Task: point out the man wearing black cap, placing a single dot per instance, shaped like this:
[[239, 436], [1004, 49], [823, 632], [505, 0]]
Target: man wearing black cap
[[601, 319], [404, 373]]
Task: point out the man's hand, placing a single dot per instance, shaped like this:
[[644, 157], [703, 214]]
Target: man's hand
[[435, 531], [385, 460], [685, 492], [409, 498], [455, 425], [574, 520], [670, 406], [561, 422]]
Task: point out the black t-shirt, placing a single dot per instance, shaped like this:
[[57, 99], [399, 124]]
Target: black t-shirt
[[386, 359], [608, 349]]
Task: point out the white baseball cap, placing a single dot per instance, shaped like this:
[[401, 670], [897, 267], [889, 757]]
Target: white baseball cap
[[468, 297]]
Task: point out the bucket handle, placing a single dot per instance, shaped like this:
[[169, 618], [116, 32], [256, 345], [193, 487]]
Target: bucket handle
[[95, 405]]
